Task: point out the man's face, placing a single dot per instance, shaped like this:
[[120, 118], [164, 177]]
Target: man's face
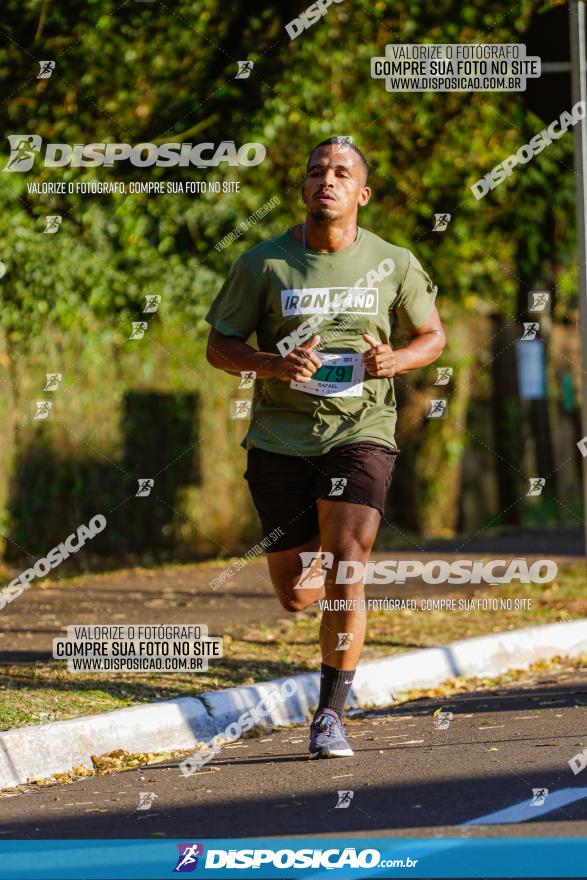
[[335, 184]]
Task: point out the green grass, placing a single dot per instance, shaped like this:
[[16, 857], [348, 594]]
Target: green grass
[[42, 692]]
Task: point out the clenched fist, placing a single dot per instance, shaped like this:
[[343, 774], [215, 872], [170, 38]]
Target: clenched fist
[[300, 364], [379, 360]]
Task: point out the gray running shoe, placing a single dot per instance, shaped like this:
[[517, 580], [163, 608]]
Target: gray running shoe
[[327, 736]]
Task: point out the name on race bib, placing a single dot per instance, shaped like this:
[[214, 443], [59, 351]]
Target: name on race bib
[[340, 375]]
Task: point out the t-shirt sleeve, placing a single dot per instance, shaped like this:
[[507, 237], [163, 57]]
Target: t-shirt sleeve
[[237, 309], [416, 296]]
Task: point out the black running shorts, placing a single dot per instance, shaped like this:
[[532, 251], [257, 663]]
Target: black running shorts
[[285, 487]]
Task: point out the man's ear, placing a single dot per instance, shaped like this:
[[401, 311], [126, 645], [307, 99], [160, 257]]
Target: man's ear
[[365, 196]]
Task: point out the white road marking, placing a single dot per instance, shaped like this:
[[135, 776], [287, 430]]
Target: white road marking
[[522, 811]]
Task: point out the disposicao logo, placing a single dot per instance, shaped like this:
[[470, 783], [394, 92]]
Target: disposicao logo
[[25, 147], [187, 859]]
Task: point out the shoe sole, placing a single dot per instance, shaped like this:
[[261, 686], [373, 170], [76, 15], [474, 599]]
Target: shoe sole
[[333, 753]]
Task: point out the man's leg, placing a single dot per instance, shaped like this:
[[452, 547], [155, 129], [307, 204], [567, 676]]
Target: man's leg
[[281, 487], [347, 531], [342, 531], [286, 567]]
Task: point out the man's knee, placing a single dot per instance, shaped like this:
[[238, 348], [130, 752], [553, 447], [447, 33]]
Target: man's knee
[[352, 548], [296, 602], [351, 553]]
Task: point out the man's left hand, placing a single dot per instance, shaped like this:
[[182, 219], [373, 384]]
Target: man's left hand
[[380, 360]]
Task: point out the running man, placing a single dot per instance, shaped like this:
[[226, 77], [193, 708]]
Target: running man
[[322, 299]]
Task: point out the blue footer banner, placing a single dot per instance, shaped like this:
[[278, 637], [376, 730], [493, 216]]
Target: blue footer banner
[[293, 857]]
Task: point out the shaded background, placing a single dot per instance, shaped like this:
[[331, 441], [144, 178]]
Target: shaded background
[[152, 408]]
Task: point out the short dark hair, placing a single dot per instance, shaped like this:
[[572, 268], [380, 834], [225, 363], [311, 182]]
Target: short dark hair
[[341, 139]]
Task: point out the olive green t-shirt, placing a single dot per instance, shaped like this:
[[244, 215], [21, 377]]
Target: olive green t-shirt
[[275, 288]]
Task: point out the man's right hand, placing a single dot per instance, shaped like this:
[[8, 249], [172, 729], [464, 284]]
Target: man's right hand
[[300, 364]]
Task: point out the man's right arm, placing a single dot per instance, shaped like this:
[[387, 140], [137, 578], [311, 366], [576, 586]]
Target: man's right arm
[[233, 355]]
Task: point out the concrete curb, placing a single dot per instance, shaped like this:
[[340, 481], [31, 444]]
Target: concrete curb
[[40, 750]]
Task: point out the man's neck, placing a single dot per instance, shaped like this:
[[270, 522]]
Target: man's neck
[[326, 237]]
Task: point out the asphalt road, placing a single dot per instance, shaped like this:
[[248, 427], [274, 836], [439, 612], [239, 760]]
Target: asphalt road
[[408, 778]]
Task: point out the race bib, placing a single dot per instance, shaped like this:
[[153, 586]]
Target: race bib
[[341, 375]]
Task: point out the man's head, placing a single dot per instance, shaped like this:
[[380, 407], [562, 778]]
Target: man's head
[[336, 181]]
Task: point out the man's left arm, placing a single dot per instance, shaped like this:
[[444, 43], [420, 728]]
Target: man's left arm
[[425, 346]]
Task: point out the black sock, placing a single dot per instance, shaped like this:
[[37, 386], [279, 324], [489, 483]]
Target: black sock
[[335, 685]]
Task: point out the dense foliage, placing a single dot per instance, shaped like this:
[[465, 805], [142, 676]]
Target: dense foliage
[[152, 72]]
